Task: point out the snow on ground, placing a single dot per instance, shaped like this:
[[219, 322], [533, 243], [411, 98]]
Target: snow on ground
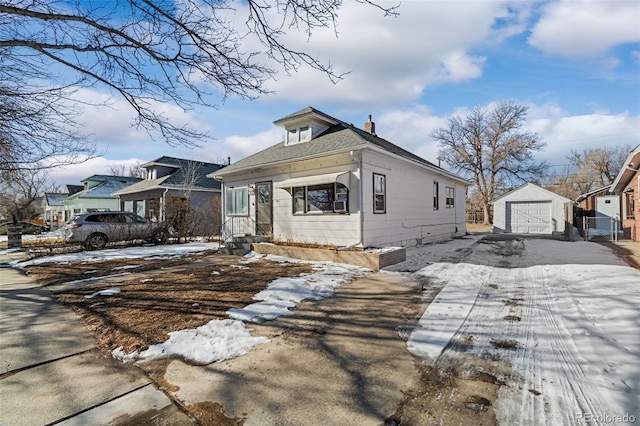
[[566, 323], [107, 292], [149, 251], [284, 294], [563, 316], [220, 339], [215, 341], [58, 233]]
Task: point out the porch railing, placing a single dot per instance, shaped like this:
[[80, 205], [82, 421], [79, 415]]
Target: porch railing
[[237, 226]]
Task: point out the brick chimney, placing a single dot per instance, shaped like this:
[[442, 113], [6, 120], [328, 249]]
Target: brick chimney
[[370, 126]]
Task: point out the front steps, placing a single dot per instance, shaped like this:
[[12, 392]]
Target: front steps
[[241, 245]]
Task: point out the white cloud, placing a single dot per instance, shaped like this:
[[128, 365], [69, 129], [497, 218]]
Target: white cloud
[[240, 147], [73, 174], [392, 60], [563, 132], [410, 128], [583, 29], [458, 66], [109, 121]]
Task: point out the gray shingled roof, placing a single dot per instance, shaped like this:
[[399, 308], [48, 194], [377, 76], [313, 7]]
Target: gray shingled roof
[[107, 186], [55, 198], [178, 178], [338, 138], [72, 189]]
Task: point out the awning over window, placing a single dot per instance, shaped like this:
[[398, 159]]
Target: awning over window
[[340, 177]]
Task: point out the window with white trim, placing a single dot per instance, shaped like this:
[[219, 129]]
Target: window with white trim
[[450, 196], [436, 195], [237, 201], [379, 193], [320, 198], [629, 205], [298, 134]]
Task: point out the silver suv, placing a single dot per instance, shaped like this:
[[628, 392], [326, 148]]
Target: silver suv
[[95, 230]]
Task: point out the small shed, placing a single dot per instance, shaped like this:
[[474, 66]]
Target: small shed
[[529, 209]]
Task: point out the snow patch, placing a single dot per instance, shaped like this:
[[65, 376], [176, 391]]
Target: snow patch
[[107, 292], [215, 341]]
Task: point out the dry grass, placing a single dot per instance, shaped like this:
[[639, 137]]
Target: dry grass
[[478, 228], [161, 296]]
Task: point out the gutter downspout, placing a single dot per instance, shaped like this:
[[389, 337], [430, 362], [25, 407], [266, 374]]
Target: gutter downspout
[[361, 195]]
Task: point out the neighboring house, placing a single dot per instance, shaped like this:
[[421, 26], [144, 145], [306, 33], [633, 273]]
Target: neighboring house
[[588, 201], [171, 185], [530, 209], [53, 206], [53, 209], [97, 194], [627, 184], [330, 183]]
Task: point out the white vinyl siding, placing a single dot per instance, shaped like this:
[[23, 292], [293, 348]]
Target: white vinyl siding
[[410, 218], [529, 209]]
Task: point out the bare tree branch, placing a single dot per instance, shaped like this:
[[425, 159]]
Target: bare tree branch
[[149, 52]]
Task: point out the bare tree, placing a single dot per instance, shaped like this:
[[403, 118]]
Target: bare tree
[[36, 124], [131, 170], [564, 183], [186, 53], [589, 169], [490, 148], [597, 167], [20, 190]]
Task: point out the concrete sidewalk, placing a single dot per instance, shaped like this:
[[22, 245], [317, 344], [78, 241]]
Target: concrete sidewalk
[[50, 371]]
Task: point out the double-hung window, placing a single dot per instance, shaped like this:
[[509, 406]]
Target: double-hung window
[[320, 198], [629, 205], [436, 195], [237, 201], [449, 193], [379, 193]]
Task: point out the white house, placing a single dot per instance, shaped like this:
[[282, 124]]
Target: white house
[[530, 209], [330, 183]]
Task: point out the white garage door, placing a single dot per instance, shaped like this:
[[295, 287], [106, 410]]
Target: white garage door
[[529, 218]]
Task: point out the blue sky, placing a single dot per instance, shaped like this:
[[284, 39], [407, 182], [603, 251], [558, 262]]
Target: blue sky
[[575, 64]]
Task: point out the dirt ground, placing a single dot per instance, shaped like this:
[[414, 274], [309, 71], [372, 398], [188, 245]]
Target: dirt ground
[[161, 296]]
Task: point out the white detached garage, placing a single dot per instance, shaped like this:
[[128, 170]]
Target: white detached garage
[[529, 209]]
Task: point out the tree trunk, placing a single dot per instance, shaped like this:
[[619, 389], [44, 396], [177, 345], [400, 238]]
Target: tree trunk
[[487, 219]]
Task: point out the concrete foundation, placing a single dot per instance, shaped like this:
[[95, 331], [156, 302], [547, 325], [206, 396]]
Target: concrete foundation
[[368, 259]]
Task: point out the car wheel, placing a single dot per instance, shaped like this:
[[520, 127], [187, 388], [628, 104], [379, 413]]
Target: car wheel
[[96, 241]]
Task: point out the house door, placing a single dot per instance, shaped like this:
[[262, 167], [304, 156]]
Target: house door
[[264, 208]]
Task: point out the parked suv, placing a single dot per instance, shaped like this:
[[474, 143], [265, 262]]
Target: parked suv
[[95, 230]]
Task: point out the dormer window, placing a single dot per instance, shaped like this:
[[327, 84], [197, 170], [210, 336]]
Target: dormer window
[[298, 134]]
